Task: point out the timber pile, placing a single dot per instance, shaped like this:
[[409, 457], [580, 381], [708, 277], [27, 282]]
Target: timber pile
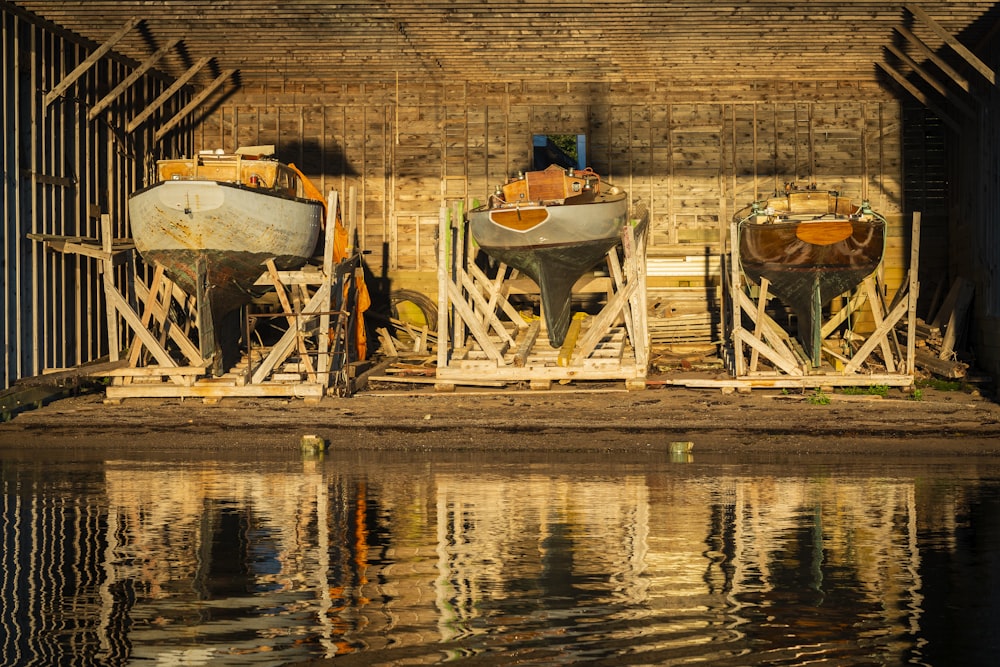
[[682, 319], [937, 342], [686, 329]]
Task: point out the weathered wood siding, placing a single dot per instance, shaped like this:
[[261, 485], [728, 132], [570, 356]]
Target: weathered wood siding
[[61, 171], [695, 157]]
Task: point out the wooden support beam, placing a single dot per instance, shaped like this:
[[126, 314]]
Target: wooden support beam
[[82, 68], [957, 78], [920, 97], [853, 304], [175, 333], [479, 332], [875, 303], [956, 45], [951, 316], [192, 105], [735, 284], [324, 361], [130, 79], [526, 342], [290, 315], [877, 337], [444, 236], [774, 334], [758, 328], [931, 81], [166, 95], [319, 302], [769, 352], [913, 291]]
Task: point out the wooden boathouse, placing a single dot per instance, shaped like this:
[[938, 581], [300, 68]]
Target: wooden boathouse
[[409, 114]]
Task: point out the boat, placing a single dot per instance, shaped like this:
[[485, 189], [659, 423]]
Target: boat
[[811, 246], [552, 225], [212, 221]]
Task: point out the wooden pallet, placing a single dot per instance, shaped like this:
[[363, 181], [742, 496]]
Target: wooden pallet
[[487, 339]]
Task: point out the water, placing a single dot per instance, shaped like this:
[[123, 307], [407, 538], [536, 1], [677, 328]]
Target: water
[[495, 559]]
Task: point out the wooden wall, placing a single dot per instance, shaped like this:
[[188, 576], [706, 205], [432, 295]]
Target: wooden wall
[[694, 156], [694, 152], [61, 170]]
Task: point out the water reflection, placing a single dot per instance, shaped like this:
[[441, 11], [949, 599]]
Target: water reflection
[[388, 559]]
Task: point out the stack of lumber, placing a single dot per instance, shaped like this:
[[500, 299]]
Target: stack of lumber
[[685, 329], [680, 317], [938, 341]]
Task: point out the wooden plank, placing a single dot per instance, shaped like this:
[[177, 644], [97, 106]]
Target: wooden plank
[[758, 328], [877, 337], [280, 351], [177, 335], [955, 315], [153, 106], [526, 342], [133, 76], [89, 62], [920, 97], [217, 391], [875, 303], [192, 105], [956, 45], [931, 81], [929, 53], [290, 315]]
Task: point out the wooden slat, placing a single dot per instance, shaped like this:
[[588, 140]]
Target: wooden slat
[[467, 40]]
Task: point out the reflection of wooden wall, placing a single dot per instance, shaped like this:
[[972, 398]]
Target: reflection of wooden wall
[[695, 156]]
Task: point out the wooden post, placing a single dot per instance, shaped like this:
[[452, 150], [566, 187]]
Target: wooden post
[[107, 271], [758, 328], [736, 290], [443, 279], [914, 292], [324, 361]]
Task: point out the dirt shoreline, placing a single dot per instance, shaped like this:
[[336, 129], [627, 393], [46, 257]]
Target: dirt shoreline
[[589, 418]]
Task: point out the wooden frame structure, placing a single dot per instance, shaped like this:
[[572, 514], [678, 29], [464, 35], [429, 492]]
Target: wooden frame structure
[[309, 360], [483, 337], [764, 339]]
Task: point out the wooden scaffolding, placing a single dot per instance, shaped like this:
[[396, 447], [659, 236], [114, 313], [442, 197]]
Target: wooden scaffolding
[[483, 337], [763, 354], [310, 359]]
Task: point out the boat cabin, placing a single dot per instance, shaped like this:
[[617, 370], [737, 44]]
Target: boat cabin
[[251, 171]]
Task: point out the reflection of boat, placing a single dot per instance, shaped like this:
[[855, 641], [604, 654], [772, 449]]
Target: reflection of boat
[[552, 225], [811, 246], [212, 221]]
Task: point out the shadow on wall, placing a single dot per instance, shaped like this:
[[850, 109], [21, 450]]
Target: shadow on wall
[[314, 159]]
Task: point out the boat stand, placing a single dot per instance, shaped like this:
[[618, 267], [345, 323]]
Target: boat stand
[[755, 340], [484, 340], [159, 322]]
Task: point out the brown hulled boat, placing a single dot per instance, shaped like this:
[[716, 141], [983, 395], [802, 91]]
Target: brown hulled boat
[[811, 246]]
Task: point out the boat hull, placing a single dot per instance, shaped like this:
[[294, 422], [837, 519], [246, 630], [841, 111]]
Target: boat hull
[[553, 245], [811, 258], [213, 238]]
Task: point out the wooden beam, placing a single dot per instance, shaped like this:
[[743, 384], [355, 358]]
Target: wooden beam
[[959, 80], [956, 45], [130, 79], [913, 293], [926, 76], [913, 90], [82, 68], [166, 95], [192, 105]]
